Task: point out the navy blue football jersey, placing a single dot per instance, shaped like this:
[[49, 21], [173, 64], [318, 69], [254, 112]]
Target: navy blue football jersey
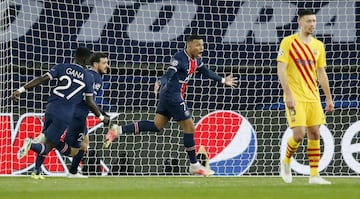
[[82, 108], [77, 128], [73, 83], [185, 67]]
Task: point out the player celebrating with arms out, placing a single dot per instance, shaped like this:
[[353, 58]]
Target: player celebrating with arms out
[[172, 104], [301, 63]]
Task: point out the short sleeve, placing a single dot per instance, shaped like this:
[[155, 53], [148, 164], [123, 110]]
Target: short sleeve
[[89, 82], [175, 63], [54, 72], [321, 62], [283, 53]]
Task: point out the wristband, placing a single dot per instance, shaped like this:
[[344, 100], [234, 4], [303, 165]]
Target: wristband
[[21, 89], [223, 80], [101, 117]]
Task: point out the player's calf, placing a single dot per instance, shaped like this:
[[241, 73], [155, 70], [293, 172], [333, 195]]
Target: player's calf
[[40, 138]]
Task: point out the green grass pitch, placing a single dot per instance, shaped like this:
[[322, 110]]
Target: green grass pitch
[[176, 187]]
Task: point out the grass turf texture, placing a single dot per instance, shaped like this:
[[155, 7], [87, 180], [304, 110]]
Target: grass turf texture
[[176, 187]]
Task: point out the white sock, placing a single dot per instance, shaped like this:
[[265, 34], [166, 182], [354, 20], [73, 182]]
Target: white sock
[[195, 164]]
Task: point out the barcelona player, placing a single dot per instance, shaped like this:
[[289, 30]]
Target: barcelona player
[[301, 65]]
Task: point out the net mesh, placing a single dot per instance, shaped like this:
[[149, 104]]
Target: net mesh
[[240, 130]]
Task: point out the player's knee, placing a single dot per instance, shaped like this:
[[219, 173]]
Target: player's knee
[[84, 146], [74, 151], [298, 137], [159, 126], [192, 130], [160, 122], [189, 129]]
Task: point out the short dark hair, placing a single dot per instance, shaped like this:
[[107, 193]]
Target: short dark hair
[[82, 56], [95, 57], [193, 37], [303, 12]]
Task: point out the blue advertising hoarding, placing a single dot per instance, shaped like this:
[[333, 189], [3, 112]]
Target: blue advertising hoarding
[[236, 32]]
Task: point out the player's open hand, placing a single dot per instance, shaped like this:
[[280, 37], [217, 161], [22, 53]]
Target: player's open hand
[[231, 81], [15, 96], [156, 88]]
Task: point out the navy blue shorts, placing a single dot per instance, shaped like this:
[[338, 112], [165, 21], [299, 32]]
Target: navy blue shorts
[[57, 119], [76, 131], [173, 107]]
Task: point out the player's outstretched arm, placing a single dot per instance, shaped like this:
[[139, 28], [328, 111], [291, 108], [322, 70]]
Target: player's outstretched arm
[[228, 80], [33, 83]]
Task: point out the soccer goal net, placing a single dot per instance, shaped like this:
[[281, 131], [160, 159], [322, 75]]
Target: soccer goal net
[[239, 131]]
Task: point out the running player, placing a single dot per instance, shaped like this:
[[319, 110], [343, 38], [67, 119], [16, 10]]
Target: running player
[[172, 100], [73, 83]]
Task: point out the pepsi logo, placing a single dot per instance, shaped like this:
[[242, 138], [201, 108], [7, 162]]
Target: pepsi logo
[[229, 141]]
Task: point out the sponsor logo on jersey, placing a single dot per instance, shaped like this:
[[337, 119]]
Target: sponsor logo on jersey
[[280, 53], [174, 62]]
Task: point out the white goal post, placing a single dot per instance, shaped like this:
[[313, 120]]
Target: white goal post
[[241, 131]]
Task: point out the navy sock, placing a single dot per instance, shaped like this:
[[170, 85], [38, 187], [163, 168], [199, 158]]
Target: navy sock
[[42, 150], [189, 144], [37, 147], [140, 126], [39, 161], [76, 161]]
